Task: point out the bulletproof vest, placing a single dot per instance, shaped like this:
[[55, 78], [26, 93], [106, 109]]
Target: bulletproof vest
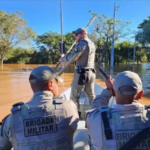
[[40, 128], [121, 126], [88, 56]]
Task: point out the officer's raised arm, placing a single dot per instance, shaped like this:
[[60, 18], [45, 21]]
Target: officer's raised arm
[[122, 127], [104, 97], [78, 50]]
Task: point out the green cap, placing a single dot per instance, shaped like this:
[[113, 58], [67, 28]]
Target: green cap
[[43, 74]]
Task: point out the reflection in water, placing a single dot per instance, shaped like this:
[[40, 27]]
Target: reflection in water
[[14, 85]]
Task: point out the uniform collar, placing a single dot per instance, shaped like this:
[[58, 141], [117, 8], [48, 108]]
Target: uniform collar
[[40, 98], [134, 106], [48, 93], [83, 38]]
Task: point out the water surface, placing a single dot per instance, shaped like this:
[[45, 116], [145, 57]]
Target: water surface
[[14, 85]]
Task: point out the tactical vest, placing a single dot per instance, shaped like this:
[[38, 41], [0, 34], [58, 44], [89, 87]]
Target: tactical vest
[[88, 56], [121, 126], [40, 128]]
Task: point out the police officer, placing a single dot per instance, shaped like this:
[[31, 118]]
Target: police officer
[[114, 129], [84, 76], [45, 122]]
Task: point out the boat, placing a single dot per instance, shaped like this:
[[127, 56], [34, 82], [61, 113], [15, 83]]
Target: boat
[[85, 106], [26, 69]]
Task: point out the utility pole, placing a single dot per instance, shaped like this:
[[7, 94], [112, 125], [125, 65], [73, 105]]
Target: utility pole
[[128, 52], [134, 51], [61, 19], [113, 39]]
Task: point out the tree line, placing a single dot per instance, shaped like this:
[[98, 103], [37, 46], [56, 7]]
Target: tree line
[[14, 34]]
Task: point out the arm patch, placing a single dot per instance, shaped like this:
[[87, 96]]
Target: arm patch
[[81, 46]]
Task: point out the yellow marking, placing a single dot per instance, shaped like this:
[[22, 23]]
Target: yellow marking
[[75, 49]]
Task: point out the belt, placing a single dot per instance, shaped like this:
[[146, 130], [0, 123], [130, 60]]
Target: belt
[[88, 69], [78, 67]]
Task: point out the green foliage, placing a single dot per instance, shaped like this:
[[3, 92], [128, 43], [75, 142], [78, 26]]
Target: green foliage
[[121, 52], [48, 52], [103, 25], [49, 46], [143, 35], [141, 55], [19, 55], [68, 40], [13, 31]]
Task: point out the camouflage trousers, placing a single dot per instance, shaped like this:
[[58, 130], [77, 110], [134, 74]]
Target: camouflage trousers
[[83, 82]]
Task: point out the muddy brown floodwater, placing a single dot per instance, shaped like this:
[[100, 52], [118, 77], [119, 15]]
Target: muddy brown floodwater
[[14, 87]]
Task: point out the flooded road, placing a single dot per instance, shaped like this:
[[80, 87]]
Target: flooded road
[[14, 85]]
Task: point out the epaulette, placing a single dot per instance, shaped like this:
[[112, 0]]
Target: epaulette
[[58, 100], [147, 106], [16, 107]]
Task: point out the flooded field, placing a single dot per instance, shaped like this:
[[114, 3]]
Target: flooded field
[[14, 85]]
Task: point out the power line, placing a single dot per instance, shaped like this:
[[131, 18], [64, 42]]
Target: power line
[[119, 5], [136, 14], [139, 10], [67, 0]]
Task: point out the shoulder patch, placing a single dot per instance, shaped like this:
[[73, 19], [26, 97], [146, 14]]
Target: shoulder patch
[[81, 46], [16, 107], [75, 49]]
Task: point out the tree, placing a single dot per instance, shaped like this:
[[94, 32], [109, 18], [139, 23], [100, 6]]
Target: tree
[[143, 35], [49, 44], [121, 51], [103, 25], [13, 31], [93, 36], [68, 40], [19, 55]]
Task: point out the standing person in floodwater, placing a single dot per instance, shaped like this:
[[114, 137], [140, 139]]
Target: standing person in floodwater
[[45, 122], [84, 76]]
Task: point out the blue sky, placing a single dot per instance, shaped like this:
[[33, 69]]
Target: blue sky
[[44, 15]]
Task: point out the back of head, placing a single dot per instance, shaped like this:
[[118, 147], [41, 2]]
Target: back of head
[[127, 86], [40, 76]]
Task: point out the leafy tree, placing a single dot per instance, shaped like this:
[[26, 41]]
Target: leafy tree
[[49, 45], [143, 35], [121, 52], [141, 55], [13, 31], [19, 55], [93, 36], [68, 40], [103, 25]]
